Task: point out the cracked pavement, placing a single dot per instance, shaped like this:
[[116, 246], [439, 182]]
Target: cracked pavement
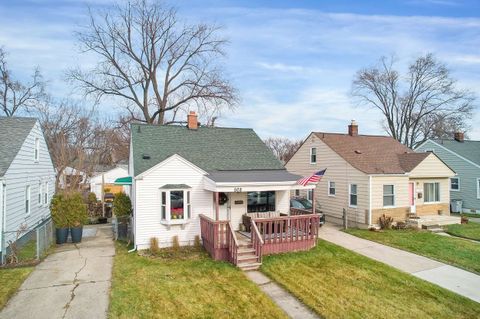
[[73, 282]]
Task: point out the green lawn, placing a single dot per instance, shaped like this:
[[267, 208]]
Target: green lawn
[[337, 283], [10, 281], [470, 230], [473, 215], [187, 284], [454, 251]]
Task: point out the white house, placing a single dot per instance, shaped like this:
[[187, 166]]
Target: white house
[[108, 178], [69, 175], [27, 176], [179, 173]]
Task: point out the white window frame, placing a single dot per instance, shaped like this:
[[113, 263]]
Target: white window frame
[[425, 194], [478, 189], [310, 194], [311, 154], [40, 193], [350, 195], [28, 200], [187, 206], [36, 150], [45, 194], [390, 195], [330, 187], [458, 183]]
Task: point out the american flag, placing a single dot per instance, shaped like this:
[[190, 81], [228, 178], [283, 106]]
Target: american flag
[[312, 179]]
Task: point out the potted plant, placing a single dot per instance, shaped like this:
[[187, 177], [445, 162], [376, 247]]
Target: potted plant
[[76, 214], [122, 208], [59, 217]]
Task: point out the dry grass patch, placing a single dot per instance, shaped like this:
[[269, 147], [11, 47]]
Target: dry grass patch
[[337, 283], [183, 283]]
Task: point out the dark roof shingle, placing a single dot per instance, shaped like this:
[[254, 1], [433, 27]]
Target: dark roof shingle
[[373, 154], [13, 132], [210, 148]]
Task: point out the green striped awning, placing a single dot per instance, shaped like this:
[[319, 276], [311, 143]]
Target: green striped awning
[[123, 181]]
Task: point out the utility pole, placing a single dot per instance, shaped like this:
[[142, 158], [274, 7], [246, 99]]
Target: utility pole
[[103, 195]]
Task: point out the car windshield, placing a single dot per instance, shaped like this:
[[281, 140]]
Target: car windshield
[[305, 202]]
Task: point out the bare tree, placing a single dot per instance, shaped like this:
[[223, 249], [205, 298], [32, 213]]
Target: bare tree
[[71, 132], [156, 65], [283, 147], [423, 104], [14, 95]]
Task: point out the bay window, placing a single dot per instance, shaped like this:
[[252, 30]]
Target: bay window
[[431, 192], [175, 205]]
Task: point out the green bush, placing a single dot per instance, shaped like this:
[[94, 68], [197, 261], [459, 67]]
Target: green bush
[[122, 205], [68, 210]]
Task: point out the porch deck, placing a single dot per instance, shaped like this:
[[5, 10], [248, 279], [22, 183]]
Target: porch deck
[[267, 236]]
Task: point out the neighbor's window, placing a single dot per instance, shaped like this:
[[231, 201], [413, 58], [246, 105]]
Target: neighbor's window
[[353, 195], [331, 188], [388, 195], [454, 184], [37, 149], [313, 155], [478, 187], [39, 193], [310, 194], [27, 200], [175, 205], [431, 192], [261, 202], [45, 194], [297, 192]]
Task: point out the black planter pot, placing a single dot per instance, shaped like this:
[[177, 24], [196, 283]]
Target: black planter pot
[[122, 230], [61, 235], [76, 233]]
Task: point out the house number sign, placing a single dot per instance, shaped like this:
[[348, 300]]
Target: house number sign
[[237, 189]]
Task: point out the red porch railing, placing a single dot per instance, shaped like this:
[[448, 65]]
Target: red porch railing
[[214, 237], [232, 244], [257, 241], [288, 233]]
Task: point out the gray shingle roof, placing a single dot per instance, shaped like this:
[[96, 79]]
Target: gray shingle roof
[[468, 149], [13, 132], [210, 148], [252, 176]]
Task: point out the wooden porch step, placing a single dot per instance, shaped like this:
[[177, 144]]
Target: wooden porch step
[[249, 266], [245, 259], [245, 251]]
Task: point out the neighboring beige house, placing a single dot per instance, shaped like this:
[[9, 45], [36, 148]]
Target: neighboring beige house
[[372, 175]]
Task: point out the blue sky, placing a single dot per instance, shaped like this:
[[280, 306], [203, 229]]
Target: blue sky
[[292, 61]]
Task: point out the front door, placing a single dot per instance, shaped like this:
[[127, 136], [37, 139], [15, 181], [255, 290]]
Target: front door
[[411, 192]]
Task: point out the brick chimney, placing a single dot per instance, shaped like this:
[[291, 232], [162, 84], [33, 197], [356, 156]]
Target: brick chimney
[[459, 136], [353, 129], [192, 121]]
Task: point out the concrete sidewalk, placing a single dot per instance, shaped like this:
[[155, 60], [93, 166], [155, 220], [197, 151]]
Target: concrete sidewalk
[[454, 279], [73, 282], [291, 305]]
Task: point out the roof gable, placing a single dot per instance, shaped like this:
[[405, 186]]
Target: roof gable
[[209, 148], [467, 149], [373, 154], [13, 132]]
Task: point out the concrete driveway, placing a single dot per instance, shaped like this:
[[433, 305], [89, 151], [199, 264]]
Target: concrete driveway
[[452, 278], [73, 282]]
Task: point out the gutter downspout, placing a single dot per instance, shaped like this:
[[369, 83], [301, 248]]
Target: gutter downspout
[[369, 200]]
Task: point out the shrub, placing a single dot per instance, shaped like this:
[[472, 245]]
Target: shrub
[[91, 201], [175, 243], [57, 208], [68, 210], [385, 222], [154, 247], [196, 243], [122, 205]]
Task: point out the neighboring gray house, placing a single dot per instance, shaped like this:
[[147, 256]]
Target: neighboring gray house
[[27, 176], [463, 156]]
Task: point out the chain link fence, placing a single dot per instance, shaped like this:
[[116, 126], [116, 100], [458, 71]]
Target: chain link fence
[[26, 245]]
